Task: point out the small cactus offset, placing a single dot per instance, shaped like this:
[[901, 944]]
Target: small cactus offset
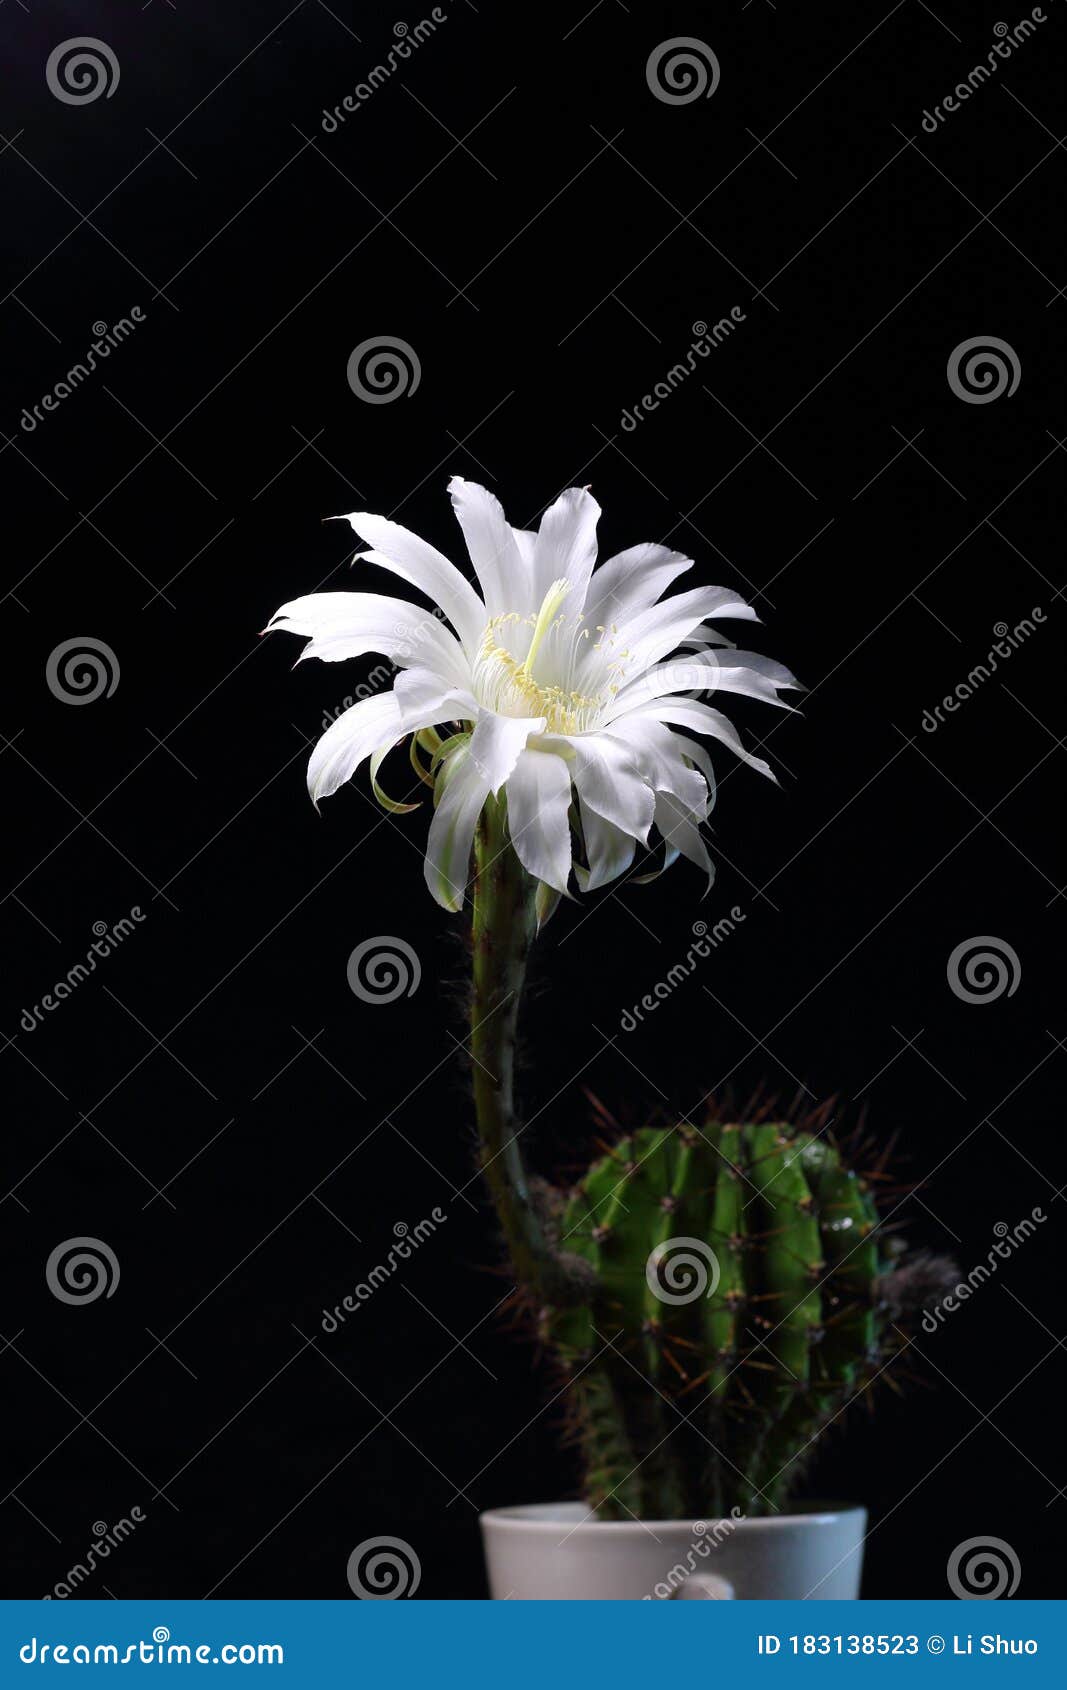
[[736, 1306]]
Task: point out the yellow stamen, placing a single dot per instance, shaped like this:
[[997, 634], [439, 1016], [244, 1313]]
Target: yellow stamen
[[505, 684]]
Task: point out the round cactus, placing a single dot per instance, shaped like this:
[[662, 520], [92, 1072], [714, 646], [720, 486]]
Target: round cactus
[[735, 1309]]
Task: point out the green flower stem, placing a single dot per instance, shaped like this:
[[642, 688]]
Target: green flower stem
[[505, 925]]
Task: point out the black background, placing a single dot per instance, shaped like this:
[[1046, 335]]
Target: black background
[[215, 1103]]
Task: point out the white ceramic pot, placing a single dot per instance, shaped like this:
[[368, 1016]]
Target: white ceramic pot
[[551, 1550]]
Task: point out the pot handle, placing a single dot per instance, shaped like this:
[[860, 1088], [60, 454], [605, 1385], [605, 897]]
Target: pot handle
[[705, 1587]]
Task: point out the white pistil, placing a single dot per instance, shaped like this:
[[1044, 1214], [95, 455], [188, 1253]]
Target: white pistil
[[549, 606]]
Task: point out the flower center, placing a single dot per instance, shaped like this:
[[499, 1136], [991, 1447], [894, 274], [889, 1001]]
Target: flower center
[[508, 686]]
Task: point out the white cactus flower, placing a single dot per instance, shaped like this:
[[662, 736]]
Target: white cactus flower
[[564, 681]]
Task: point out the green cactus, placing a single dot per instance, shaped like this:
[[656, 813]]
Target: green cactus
[[716, 1296], [736, 1311]]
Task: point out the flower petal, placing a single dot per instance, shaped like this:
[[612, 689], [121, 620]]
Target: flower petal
[[526, 540], [680, 830], [608, 779], [654, 632], [368, 726], [726, 670], [494, 550], [374, 725], [631, 581], [609, 850], [498, 741], [539, 793], [394, 806], [671, 854], [566, 545], [416, 561], [701, 718], [451, 838], [425, 698], [661, 756], [546, 901], [343, 625]]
